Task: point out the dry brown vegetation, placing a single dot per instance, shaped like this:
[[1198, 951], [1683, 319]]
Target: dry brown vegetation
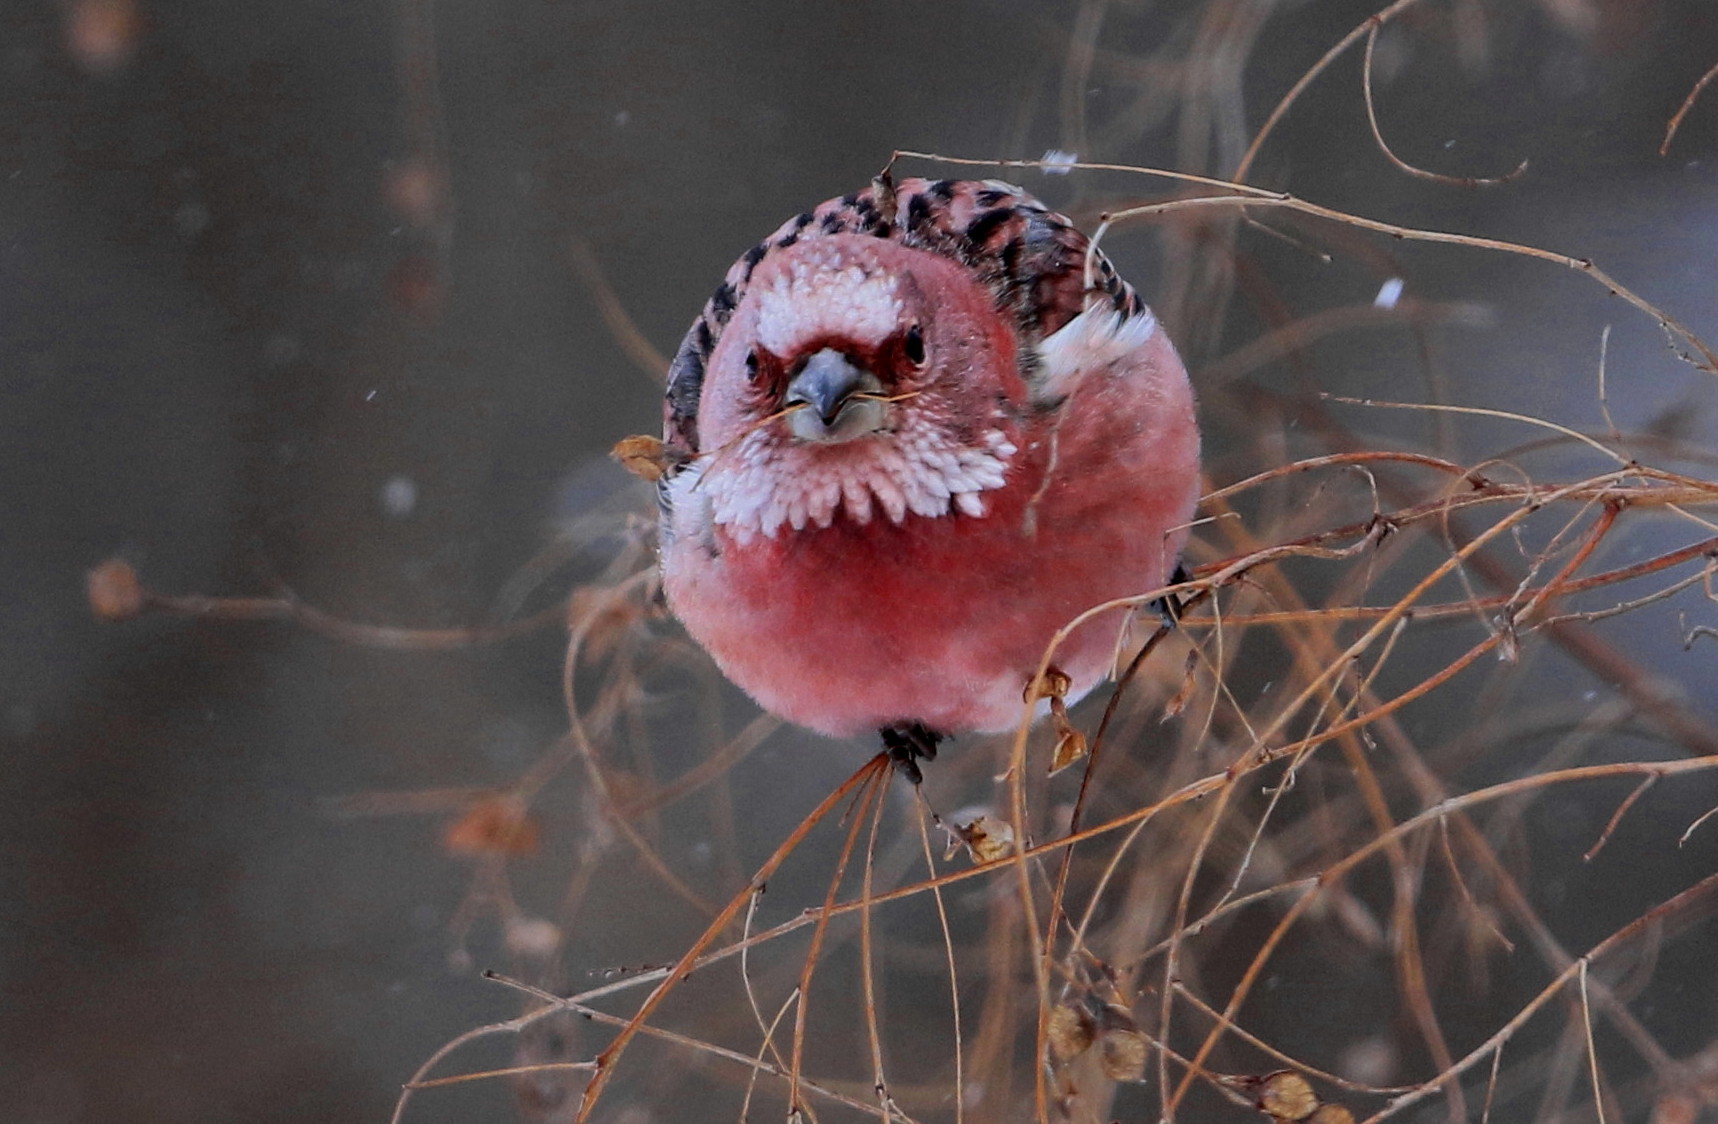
[[1397, 823]]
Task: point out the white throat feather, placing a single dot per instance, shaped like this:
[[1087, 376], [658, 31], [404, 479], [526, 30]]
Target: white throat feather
[[765, 484]]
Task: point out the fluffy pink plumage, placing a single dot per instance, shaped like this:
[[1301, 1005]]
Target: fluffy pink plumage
[[907, 443]]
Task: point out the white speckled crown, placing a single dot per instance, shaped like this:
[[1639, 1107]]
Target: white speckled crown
[[823, 289]]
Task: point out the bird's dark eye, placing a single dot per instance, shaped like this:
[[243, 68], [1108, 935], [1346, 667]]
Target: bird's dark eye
[[752, 365], [913, 346]]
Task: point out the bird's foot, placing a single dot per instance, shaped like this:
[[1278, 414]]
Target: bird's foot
[[907, 744], [1169, 606]]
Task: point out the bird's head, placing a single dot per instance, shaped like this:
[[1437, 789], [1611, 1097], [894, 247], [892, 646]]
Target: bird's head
[[858, 378]]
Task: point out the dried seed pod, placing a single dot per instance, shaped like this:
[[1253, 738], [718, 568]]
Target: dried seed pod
[[1285, 1095], [1331, 1114], [495, 825], [1071, 1031], [532, 936], [1121, 1045], [1123, 1054], [102, 35], [114, 592]]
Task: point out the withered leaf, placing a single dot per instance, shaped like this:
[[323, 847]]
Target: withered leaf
[[1070, 747], [1053, 684], [986, 839], [642, 455]]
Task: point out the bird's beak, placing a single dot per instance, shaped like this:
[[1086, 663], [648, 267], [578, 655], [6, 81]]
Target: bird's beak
[[826, 390]]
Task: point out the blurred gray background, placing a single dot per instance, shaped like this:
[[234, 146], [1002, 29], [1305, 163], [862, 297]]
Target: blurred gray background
[[292, 294]]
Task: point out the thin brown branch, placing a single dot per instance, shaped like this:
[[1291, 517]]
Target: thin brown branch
[[632, 342], [1616, 817], [1687, 104], [1384, 146]]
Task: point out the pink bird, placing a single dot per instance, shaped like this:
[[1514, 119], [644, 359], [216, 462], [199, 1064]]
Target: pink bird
[[915, 432]]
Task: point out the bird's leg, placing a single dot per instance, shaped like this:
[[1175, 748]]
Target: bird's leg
[[907, 744], [1169, 606]]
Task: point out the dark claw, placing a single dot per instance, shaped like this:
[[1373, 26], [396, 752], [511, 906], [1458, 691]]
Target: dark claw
[[1169, 607], [908, 743]]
